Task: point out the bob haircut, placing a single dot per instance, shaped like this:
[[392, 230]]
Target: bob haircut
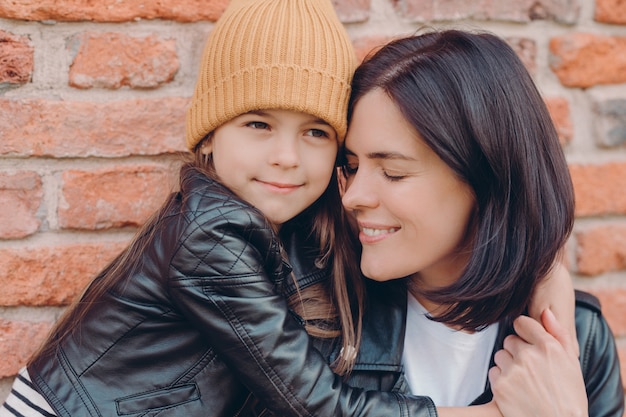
[[473, 102]]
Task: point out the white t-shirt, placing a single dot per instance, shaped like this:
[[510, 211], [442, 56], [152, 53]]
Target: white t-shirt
[[448, 365]]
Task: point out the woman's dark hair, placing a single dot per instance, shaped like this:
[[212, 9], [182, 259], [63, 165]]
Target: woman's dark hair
[[473, 102]]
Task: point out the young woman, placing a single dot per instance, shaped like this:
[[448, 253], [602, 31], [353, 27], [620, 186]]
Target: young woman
[[458, 185]]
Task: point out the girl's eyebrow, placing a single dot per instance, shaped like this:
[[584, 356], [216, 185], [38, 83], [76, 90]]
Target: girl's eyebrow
[[265, 114], [383, 155]]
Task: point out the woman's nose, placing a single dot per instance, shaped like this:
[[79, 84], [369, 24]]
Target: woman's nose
[[359, 192]]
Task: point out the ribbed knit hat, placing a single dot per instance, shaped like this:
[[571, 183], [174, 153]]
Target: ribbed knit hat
[[273, 54]]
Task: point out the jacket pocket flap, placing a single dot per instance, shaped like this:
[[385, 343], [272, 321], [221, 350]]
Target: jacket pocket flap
[[162, 398]]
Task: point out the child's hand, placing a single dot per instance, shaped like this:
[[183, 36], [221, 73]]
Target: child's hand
[[556, 292], [536, 374]]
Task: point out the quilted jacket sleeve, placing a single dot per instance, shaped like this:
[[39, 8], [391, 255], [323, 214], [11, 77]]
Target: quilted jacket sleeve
[[599, 359], [223, 278]]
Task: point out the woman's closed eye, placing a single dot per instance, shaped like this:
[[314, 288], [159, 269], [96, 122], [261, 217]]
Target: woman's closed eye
[[349, 168], [393, 176]]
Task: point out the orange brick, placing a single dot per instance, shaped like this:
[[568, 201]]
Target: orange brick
[[113, 60], [21, 195], [610, 11], [599, 188], [16, 59], [559, 110], [601, 249], [112, 10], [584, 59], [19, 340], [119, 197], [52, 275], [33, 127]]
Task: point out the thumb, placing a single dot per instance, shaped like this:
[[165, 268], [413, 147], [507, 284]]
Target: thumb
[[560, 333]]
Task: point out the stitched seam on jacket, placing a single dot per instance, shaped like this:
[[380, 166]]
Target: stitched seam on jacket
[[249, 343]]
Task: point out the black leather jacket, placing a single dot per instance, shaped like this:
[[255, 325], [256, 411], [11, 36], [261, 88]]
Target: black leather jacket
[[204, 311], [386, 321], [171, 340]]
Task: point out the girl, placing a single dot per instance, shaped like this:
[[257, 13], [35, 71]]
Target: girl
[[457, 181]]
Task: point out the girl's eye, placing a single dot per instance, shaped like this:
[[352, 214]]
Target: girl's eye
[[317, 133], [257, 125]]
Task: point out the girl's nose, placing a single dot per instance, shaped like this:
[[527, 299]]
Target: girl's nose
[[285, 152]]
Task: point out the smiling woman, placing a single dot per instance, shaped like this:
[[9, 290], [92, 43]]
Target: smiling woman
[[419, 218], [459, 186]]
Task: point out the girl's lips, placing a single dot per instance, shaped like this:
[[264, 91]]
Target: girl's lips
[[280, 188]]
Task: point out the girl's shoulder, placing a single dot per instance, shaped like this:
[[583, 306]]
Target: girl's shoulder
[[207, 199]]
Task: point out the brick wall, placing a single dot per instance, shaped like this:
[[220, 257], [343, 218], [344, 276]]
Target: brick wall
[[92, 100]]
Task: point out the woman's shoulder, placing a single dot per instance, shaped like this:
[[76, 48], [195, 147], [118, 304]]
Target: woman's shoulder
[[599, 358]]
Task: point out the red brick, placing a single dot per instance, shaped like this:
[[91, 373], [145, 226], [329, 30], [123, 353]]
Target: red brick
[[113, 60], [584, 59], [34, 127], [564, 11], [350, 11], [19, 340], [124, 196], [610, 122], [52, 275], [365, 45], [559, 110], [23, 193], [610, 11], [613, 300], [112, 10], [599, 188], [526, 49], [601, 249], [16, 59]]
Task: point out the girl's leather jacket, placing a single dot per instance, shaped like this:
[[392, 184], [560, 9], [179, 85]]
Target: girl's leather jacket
[[204, 312]]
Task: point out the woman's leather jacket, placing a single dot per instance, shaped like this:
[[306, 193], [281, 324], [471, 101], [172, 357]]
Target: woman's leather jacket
[[383, 341], [201, 323]]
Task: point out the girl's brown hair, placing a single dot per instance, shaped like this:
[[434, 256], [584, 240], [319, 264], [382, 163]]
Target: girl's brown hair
[[329, 308]]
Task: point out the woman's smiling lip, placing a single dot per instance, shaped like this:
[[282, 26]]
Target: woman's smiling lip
[[372, 233]]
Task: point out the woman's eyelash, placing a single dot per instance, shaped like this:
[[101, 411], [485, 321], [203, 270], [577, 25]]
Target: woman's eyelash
[[350, 169], [393, 177]]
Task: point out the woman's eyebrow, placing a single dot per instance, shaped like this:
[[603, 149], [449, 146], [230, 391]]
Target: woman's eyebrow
[[383, 155]]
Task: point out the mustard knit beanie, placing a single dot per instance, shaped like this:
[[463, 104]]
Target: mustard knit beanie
[[273, 54]]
